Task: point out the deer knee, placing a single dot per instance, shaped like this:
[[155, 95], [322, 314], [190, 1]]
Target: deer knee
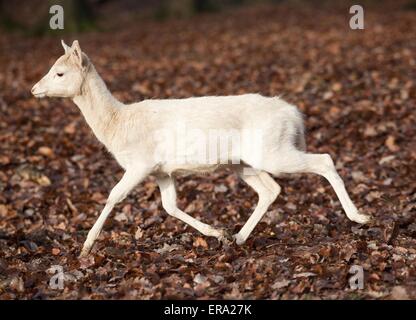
[[269, 195], [320, 163], [275, 191], [327, 161]]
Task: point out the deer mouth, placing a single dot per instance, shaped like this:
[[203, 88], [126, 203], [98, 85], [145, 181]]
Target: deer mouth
[[40, 94]]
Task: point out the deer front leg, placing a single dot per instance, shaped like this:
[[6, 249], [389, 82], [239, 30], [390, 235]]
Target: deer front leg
[[129, 180], [168, 194]]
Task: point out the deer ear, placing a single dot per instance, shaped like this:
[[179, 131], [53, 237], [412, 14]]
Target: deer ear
[[76, 53], [66, 48]]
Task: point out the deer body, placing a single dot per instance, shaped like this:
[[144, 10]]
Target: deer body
[[175, 136]]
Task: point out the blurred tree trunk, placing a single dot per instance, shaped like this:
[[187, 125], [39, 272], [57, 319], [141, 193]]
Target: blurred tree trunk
[[205, 5], [175, 8], [411, 4], [186, 8]]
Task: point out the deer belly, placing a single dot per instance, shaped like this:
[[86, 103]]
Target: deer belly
[[185, 169]]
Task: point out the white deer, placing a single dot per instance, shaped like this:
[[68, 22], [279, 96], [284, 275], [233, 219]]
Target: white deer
[[132, 134]]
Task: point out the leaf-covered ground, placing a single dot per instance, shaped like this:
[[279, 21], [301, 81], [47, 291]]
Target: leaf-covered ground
[[357, 91]]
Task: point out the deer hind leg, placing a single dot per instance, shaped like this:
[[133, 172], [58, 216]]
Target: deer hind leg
[[297, 162], [168, 195], [267, 190]]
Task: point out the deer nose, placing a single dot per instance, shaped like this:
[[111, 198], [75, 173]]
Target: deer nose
[[34, 89]]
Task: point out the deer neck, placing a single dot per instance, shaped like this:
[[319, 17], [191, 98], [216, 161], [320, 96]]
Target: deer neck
[[98, 106]]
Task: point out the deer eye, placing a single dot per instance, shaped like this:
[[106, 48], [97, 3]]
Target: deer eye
[[59, 74]]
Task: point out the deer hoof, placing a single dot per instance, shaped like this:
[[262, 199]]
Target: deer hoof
[[239, 239], [362, 218], [84, 252]]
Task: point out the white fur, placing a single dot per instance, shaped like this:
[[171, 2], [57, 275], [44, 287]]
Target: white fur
[[131, 134]]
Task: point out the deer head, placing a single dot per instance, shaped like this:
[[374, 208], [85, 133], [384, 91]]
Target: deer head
[[66, 77]]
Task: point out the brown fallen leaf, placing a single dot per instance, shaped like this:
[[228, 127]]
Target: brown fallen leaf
[[200, 242], [139, 233], [280, 284], [3, 210], [43, 180], [46, 151], [86, 262], [4, 160], [98, 197], [70, 128], [304, 275], [391, 144]]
